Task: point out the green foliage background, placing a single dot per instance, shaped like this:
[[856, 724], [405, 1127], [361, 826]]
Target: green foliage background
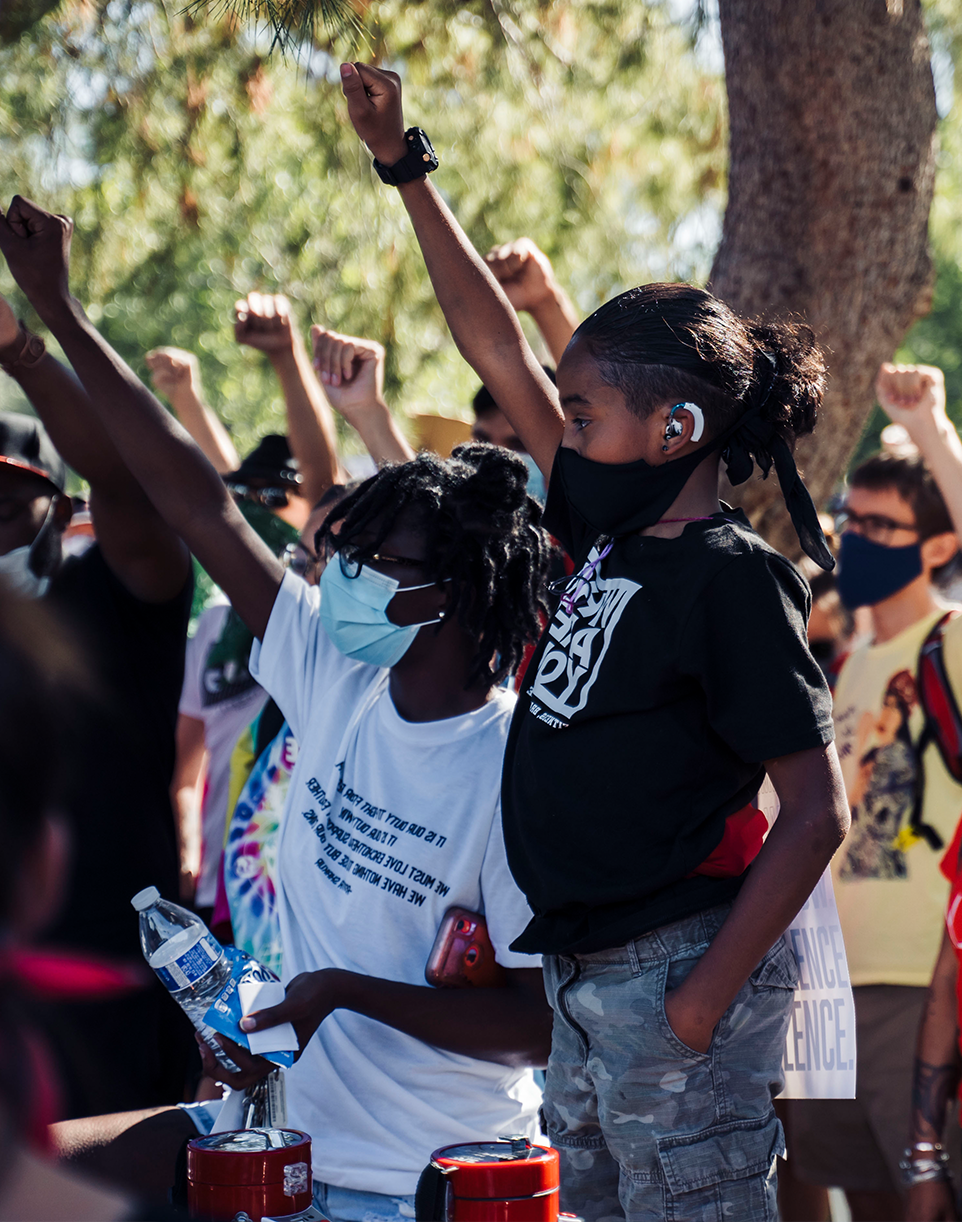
[[200, 166], [198, 169]]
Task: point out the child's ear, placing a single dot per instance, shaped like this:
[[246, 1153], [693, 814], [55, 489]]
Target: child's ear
[[939, 549]]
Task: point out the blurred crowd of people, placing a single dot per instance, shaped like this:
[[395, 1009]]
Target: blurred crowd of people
[[541, 678]]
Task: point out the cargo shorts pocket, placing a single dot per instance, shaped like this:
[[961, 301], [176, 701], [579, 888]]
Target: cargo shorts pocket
[[778, 969], [722, 1173]]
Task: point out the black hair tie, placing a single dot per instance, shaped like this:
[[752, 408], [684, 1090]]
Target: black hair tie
[[754, 439]]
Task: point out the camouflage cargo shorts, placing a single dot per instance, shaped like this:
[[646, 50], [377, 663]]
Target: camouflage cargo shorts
[[648, 1129]]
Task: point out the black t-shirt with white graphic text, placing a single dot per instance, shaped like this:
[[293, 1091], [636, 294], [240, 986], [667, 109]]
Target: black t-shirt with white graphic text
[[642, 723]]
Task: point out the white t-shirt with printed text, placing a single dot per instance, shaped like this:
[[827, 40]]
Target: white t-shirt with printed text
[[389, 823]]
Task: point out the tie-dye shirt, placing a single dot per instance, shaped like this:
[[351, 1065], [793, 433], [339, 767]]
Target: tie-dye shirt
[[250, 854]]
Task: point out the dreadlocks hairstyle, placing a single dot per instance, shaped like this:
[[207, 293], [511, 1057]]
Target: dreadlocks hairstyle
[[672, 341], [482, 533]]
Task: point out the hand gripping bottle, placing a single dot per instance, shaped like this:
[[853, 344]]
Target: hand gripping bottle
[[187, 958]]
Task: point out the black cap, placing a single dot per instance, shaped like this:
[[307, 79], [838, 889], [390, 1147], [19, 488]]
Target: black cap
[[271, 460], [24, 443]]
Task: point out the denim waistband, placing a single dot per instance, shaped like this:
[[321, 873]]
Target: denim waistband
[[666, 940]]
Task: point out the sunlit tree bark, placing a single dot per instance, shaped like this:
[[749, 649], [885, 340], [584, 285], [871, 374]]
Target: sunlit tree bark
[[832, 166]]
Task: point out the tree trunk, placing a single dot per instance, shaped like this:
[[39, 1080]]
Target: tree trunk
[[832, 166]]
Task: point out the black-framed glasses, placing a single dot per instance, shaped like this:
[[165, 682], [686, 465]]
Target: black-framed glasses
[[299, 560], [875, 527], [352, 558], [270, 498]]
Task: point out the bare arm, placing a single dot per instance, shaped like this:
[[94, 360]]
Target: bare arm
[[265, 322], [352, 374], [935, 1079], [510, 1026], [485, 327], [138, 546], [189, 764], [527, 277], [914, 396], [811, 824], [182, 485], [176, 374]]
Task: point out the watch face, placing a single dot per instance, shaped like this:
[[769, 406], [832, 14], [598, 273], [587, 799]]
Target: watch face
[[422, 147]]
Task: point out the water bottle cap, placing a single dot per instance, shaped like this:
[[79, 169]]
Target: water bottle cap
[[144, 899]]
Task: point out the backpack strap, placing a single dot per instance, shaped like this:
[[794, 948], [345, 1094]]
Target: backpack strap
[[942, 723]]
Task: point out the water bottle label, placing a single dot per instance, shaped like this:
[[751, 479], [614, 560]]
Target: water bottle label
[[278, 1044], [188, 968]]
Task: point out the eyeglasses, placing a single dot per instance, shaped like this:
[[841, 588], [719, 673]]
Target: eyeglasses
[[875, 527], [299, 560], [270, 498], [352, 559]]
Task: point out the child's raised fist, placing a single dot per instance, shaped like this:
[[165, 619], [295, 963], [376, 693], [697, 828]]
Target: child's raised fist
[[910, 393]]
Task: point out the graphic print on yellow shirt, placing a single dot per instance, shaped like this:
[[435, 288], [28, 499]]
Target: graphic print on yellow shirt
[[891, 894], [882, 793]]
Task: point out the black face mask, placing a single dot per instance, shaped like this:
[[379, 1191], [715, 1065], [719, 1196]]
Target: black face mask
[[621, 498]]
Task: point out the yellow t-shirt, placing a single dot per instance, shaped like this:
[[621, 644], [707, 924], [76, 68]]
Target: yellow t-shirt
[[891, 895]]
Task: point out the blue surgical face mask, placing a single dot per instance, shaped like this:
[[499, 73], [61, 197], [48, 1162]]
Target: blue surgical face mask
[[536, 485], [354, 615], [870, 572]]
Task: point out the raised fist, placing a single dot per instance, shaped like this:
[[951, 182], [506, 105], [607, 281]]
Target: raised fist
[[36, 245], [374, 106], [173, 371], [910, 394], [263, 321], [524, 272], [351, 370]]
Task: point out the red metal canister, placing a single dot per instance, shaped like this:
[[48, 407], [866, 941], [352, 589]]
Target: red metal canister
[[509, 1180], [262, 1172]]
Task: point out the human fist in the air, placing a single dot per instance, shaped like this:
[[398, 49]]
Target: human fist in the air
[[374, 105], [912, 395], [524, 272], [173, 371], [263, 321], [36, 246], [350, 369]]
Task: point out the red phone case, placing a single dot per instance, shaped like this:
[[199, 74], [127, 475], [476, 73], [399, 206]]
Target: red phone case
[[462, 955]]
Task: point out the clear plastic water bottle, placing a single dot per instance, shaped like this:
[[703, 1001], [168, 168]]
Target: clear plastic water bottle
[[187, 958]]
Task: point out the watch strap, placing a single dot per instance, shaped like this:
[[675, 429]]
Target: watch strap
[[419, 161], [31, 352]]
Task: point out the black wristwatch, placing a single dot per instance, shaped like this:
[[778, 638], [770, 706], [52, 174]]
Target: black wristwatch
[[31, 351], [419, 160]]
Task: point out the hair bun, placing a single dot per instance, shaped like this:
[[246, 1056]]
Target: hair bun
[[496, 489], [795, 391]]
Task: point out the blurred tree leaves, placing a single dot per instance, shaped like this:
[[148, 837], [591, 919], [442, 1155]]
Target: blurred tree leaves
[[198, 169]]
